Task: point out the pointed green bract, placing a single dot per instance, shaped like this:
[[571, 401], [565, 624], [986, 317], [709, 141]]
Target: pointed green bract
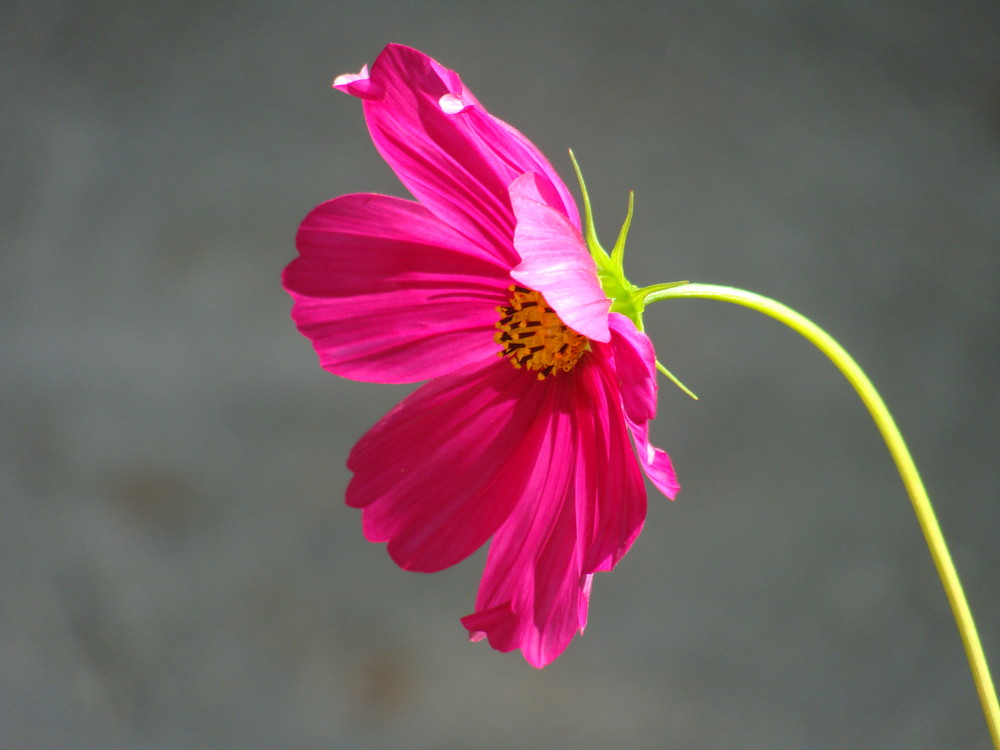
[[610, 272], [626, 298]]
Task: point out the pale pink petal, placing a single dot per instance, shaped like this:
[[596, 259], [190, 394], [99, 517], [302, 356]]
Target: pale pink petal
[[388, 293], [635, 361], [441, 471], [583, 506], [450, 153], [555, 261]]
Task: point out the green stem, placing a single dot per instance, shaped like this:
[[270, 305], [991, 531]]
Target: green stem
[[900, 454]]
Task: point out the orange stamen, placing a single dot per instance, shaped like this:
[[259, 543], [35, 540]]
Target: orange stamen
[[533, 336]]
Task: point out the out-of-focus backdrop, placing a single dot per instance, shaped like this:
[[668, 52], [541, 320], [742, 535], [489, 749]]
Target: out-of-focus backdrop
[[177, 568]]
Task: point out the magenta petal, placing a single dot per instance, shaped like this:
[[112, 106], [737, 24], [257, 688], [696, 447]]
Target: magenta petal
[[584, 505], [531, 595], [387, 293], [635, 361], [450, 153], [555, 261], [619, 495], [441, 471]]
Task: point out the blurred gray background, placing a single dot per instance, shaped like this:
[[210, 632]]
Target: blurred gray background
[[177, 568]]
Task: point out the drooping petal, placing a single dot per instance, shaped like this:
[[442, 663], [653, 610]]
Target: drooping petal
[[388, 293], [555, 261], [441, 471], [452, 155], [585, 505], [635, 361], [619, 499], [655, 461]]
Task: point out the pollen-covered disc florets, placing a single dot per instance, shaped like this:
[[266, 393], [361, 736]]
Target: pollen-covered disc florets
[[533, 336]]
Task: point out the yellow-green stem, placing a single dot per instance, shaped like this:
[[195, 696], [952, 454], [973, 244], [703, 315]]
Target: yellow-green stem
[[900, 454]]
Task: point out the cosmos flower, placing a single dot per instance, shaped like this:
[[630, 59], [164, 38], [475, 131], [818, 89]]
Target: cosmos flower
[[485, 287]]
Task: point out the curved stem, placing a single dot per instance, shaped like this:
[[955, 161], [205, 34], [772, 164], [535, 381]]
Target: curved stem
[[900, 454]]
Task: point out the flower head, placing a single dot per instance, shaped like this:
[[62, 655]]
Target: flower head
[[484, 287]]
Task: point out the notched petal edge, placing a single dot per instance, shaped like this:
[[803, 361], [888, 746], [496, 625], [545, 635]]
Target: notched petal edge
[[359, 84]]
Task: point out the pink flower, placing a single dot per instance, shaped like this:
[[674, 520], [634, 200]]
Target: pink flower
[[530, 447]]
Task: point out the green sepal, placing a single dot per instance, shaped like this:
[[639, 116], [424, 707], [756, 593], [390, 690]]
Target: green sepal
[[610, 271], [626, 298]]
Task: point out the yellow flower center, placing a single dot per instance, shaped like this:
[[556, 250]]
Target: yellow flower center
[[533, 336]]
